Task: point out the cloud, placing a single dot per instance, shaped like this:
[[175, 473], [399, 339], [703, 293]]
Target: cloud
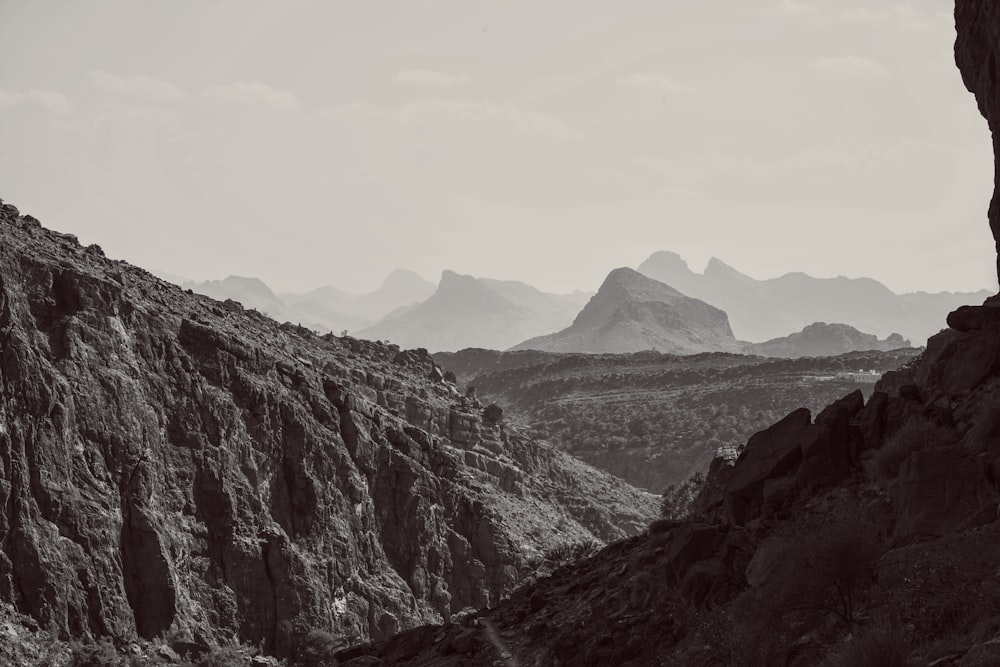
[[426, 77], [650, 82], [854, 67], [434, 111], [47, 100], [789, 7], [139, 86], [252, 94]]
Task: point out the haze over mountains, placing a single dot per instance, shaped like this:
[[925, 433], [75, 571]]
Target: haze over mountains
[[662, 306], [325, 308], [477, 312], [763, 309]]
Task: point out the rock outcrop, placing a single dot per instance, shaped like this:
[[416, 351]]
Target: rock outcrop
[[977, 49], [174, 465]]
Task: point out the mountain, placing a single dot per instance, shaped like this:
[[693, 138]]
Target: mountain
[[323, 309], [760, 310], [400, 288], [631, 313], [177, 472], [820, 339], [476, 312]]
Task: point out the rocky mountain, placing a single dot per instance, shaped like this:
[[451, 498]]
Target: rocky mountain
[[177, 468], [477, 312], [820, 339], [631, 313], [760, 310], [655, 419], [324, 309]]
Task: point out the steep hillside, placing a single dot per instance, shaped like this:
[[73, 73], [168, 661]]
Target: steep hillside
[[655, 419], [476, 312], [173, 465], [760, 310], [820, 339], [631, 313]]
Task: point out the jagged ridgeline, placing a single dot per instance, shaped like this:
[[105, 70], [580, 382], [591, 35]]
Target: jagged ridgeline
[[175, 466]]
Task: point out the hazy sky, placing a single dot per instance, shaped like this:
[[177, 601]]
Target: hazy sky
[[328, 142]]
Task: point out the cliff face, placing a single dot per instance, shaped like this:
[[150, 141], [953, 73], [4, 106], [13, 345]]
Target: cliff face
[[172, 464], [977, 48]]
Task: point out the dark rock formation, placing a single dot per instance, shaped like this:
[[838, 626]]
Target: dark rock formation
[[169, 463], [977, 48]]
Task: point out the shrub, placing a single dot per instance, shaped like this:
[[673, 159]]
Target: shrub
[[883, 644], [832, 570], [677, 499], [493, 413], [229, 656], [984, 435], [915, 435], [317, 649]]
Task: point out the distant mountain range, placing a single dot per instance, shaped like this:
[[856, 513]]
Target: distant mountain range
[[632, 313], [662, 306], [760, 310], [324, 308], [820, 339], [477, 312]]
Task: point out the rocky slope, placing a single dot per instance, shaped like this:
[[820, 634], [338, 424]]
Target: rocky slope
[[820, 339], [760, 310], [632, 313], [866, 534], [477, 312], [172, 465]]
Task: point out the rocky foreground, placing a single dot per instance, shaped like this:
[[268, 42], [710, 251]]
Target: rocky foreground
[[869, 529], [186, 472]]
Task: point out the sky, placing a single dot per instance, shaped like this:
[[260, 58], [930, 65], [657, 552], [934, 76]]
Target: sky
[[309, 142]]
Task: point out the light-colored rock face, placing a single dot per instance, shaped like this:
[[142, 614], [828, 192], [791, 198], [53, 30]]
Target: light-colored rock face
[[173, 464]]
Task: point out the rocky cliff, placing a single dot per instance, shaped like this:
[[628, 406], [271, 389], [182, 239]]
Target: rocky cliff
[[173, 465], [977, 48]]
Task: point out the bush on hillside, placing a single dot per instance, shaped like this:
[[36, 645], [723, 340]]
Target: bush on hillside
[[915, 435], [677, 499]]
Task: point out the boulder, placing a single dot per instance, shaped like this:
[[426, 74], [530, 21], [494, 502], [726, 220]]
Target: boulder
[[771, 453], [940, 491]]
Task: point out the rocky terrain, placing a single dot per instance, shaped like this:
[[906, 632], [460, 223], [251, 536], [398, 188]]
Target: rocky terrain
[[864, 534], [820, 339], [760, 310], [632, 313], [180, 470], [656, 419], [467, 312]]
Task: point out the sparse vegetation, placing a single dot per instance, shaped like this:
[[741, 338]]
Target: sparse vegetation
[[677, 499], [882, 644], [915, 435]]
